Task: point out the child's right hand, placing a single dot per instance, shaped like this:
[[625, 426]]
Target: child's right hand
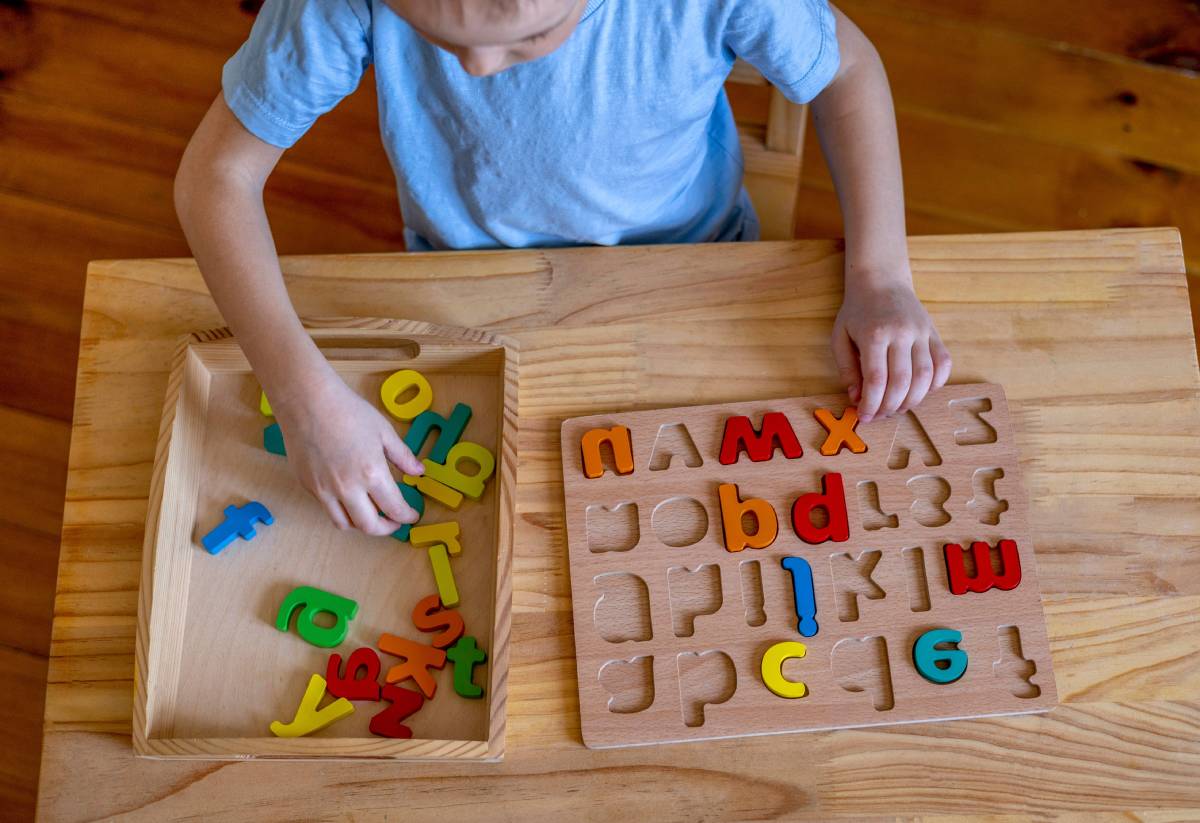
[[341, 448]]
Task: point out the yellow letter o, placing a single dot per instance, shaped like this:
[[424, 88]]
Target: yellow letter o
[[400, 382]]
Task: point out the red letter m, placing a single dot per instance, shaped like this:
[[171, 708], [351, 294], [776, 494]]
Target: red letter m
[[740, 434]]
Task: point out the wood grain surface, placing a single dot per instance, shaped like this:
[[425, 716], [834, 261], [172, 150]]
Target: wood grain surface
[[1090, 334]]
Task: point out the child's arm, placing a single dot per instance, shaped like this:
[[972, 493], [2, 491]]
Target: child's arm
[[886, 348], [337, 443]]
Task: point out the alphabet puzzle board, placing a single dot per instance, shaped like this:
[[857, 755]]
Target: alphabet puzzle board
[[214, 671], [831, 623]]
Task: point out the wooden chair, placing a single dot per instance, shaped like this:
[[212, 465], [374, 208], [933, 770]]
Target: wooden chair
[[771, 128]]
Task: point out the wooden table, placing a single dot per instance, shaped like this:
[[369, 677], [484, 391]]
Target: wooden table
[[1089, 332]]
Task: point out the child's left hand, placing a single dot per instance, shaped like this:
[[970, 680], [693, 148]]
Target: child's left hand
[[887, 350]]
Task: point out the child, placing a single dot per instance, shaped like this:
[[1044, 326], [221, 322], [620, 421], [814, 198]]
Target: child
[[515, 123]]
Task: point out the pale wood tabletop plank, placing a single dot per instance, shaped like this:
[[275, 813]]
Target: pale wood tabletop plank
[[1089, 332]]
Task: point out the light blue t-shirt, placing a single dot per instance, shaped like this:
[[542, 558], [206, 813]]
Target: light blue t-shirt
[[622, 135]]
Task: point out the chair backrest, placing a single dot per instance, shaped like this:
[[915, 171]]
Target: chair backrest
[[771, 129]]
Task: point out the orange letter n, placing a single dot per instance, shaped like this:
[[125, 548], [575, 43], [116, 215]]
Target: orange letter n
[[622, 448]]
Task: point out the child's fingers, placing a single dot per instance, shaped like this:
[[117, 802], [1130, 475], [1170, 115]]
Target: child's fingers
[[941, 361], [399, 455], [899, 376], [366, 517], [393, 505], [922, 374], [874, 370], [846, 359], [337, 514]]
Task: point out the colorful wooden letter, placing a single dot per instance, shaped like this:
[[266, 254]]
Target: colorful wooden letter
[[841, 431], [803, 594], [430, 615], [444, 533], [732, 510], [451, 475], [308, 717], [939, 665], [772, 669], [352, 686], [619, 438], [402, 704], [398, 384], [238, 522], [443, 575], [832, 499], [264, 405], [449, 431], [442, 539], [740, 435], [314, 601], [273, 440], [465, 656], [413, 498], [418, 660], [1009, 576], [440, 492]]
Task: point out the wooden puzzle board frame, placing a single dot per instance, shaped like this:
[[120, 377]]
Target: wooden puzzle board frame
[[212, 671], [638, 669]]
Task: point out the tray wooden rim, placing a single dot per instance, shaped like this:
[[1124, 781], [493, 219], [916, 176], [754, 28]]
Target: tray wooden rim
[[273, 748]]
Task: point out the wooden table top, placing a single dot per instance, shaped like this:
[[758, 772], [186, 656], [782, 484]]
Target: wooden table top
[[1090, 334]]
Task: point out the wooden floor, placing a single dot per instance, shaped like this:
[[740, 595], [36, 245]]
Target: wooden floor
[[1014, 114]]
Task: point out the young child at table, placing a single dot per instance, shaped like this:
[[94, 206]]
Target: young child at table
[[516, 123]]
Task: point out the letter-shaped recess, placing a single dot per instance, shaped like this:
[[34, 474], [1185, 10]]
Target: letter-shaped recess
[[413, 498], [674, 440], [464, 657], [1013, 667], [313, 601], [273, 440], [398, 384], [449, 431], [841, 431], [352, 686], [733, 509], [772, 669], [803, 594], [629, 683], [831, 498], [937, 657], [238, 522], [621, 442], [986, 577], [417, 659], [860, 665], [308, 717], [852, 579], [402, 704], [451, 475], [740, 436], [910, 437], [705, 679], [429, 615]]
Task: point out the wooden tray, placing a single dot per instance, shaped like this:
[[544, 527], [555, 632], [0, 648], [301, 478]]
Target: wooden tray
[[671, 627], [212, 671]]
